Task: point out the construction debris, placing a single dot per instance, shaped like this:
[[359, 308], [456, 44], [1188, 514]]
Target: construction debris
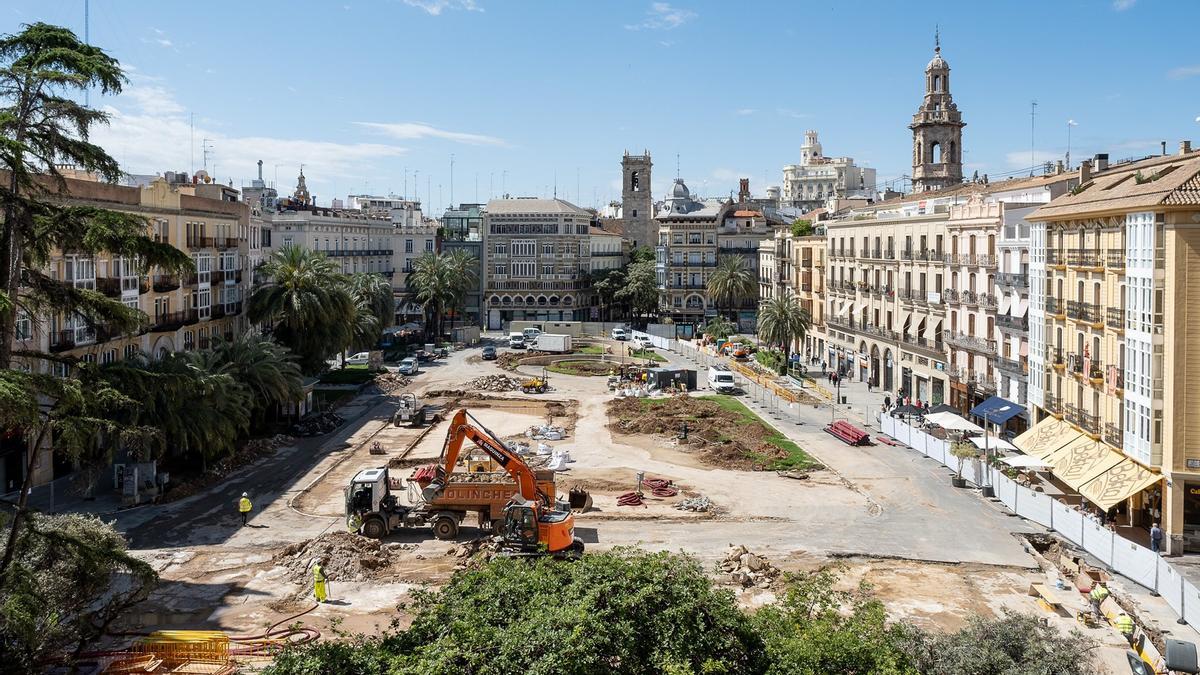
[[546, 432], [389, 382], [747, 569], [699, 504], [494, 383], [343, 556]]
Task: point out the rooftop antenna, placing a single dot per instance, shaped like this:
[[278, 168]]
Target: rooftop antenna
[[192, 143], [1032, 126], [451, 180], [556, 183], [206, 152], [677, 165]]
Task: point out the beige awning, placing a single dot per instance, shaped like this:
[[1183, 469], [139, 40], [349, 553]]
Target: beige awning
[[1045, 437], [1118, 484], [1081, 461]]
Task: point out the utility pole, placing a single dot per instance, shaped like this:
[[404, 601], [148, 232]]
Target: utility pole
[[1070, 123], [1032, 127]]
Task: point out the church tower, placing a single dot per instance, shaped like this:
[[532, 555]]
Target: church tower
[[937, 130], [637, 200]]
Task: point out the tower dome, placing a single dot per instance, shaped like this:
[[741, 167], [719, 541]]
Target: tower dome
[[680, 191]]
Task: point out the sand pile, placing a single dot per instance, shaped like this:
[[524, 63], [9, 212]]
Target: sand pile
[[344, 556]]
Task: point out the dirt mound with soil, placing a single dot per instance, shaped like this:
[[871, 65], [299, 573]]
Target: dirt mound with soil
[[344, 556], [494, 383], [718, 436], [510, 360]]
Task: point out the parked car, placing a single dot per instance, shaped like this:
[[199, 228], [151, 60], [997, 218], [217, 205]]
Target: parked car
[[359, 359], [531, 334], [409, 366], [620, 334], [489, 352]]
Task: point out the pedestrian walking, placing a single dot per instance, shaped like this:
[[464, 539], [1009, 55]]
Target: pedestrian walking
[[1156, 538], [320, 582], [244, 506], [887, 402]]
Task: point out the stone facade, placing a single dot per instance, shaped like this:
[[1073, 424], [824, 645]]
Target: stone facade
[[817, 178], [637, 200], [937, 132]]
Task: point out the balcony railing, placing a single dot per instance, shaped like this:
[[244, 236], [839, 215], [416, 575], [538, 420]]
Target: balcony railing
[[1083, 311], [931, 346], [200, 242], [1054, 306], [1114, 435], [1115, 318], [62, 340], [1116, 258], [1010, 365], [970, 343], [171, 321], [1055, 257], [1088, 259], [219, 276], [1055, 356], [1083, 419], [164, 283], [343, 252], [110, 286], [1117, 379], [1013, 279], [1052, 404], [1015, 323]]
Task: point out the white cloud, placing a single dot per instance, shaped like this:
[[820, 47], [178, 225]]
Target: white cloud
[[1122, 5], [795, 114], [418, 130], [746, 111], [149, 133], [662, 16], [1020, 158], [436, 7], [1183, 72], [160, 38]]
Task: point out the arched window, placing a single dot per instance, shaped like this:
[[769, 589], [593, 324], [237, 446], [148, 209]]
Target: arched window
[[935, 152], [937, 82], [635, 181]]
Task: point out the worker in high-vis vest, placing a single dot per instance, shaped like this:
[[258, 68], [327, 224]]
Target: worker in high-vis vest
[[1097, 596], [354, 523], [1125, 625], [244, 506], [320, 582]]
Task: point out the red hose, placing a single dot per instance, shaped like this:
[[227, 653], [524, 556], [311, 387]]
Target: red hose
[[630, 499], [660, 487]]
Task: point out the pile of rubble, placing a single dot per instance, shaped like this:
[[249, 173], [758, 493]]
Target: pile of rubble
[[699, 504], [343, 556], [389, 382], [747, 569], [480, 550], [494, 383]]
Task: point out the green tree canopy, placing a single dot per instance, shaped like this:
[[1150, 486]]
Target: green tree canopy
[[732, 283], [642, 254], [801, 227], [782, 322], [640, 291], [440, 282]]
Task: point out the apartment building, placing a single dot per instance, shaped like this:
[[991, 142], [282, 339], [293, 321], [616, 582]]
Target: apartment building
[[1114, 355], [537, 260], [817, 178], [796, 265], [183, 312], [607, 249]]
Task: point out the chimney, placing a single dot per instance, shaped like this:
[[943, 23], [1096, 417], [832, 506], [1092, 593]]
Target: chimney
[[1085, 171], [1164, 147], [1185, 147], [1058, 168], [1101, 160], [260, 169]]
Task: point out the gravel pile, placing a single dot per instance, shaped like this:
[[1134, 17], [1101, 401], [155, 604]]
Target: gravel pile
[[344, 556], [494, 383], [389, 382], [699, 504], [747, 569]]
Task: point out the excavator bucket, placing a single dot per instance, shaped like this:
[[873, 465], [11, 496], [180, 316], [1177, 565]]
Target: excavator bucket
[[579, 499]]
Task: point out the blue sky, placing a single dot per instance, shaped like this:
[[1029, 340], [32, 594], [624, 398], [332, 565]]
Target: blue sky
[[371, 95]]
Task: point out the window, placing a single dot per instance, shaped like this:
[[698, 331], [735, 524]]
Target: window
[[502, 269], [501, 249], [524, 248], [131, 351], [429, 246], [547, 249], [547, 269], [524, 269], [24, 326]]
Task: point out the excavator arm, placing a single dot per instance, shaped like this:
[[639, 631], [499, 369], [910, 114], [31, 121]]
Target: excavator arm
[[464, 427]]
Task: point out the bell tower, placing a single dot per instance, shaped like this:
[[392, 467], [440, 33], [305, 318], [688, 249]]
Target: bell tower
[[637, 200], [937, 130]]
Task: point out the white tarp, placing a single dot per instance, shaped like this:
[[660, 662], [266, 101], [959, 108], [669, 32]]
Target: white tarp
[[1170, 585], [1025, 462], [1098, 540], [1191, 604], [1068, 522], [1006, 491], [951, 422], [992, 443]]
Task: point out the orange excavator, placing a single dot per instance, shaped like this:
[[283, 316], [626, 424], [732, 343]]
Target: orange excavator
[[532, 523]]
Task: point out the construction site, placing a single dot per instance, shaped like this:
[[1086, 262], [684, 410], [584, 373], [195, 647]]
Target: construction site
[[427, 478]]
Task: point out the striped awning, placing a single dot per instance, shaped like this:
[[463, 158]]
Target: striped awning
[[1045, 437]]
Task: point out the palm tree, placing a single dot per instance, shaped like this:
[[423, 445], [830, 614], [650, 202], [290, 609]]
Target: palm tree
[[306, 304], [719, 327], [464, 275], [782, 322], [374, 308], [731, 283], [266, 369], [440, 282]]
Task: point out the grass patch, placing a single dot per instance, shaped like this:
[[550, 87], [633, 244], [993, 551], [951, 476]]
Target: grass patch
[[350, 375], [591, 349], [796, 458], [583, 368], [647, 354]]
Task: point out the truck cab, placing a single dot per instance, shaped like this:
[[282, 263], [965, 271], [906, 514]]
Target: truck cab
[[516, 341], [720, 380]]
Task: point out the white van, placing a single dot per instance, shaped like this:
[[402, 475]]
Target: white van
[[531, 334], [516, 341], [620, 334], [720, 380]]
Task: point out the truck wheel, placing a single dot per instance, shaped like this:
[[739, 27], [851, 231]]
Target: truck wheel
[[374, 528], [445, 527]]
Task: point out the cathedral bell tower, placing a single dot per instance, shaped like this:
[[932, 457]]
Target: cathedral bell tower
[[637, 202], [937, 130]]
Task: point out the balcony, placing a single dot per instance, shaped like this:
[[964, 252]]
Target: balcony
[[1056, 358], [1018, 324], [345, 252], [223, 243], [200, 242], [532, 285], [109, 286], [1114, 435], [951, 296], [1056, 258], [217, 312], [931, 347], [970, 343], [1053, 405], [987, 260], [1116, 259], [906, 255], [1013, 279], [1114, 317], [1056, 308], [982, 384], [62, 340], [1084, 259], [1083, 311], [165, 283], [1083, 420], [220, 276], [1117, 381], [172, 321], [1011, 365]]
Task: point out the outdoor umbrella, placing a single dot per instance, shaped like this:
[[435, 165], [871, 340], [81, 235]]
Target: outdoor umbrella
[[941, 407], [951, 422], [907, 410], [992, 442], [1025, 462]]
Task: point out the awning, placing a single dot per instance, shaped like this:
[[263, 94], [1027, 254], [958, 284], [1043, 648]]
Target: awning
[[952, 422], [994, 443], [1019, 309], [1045, 437], [1082, 461], [932, 331], [997, 410], [1118, 484], [843, 310], [1026, 462]]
